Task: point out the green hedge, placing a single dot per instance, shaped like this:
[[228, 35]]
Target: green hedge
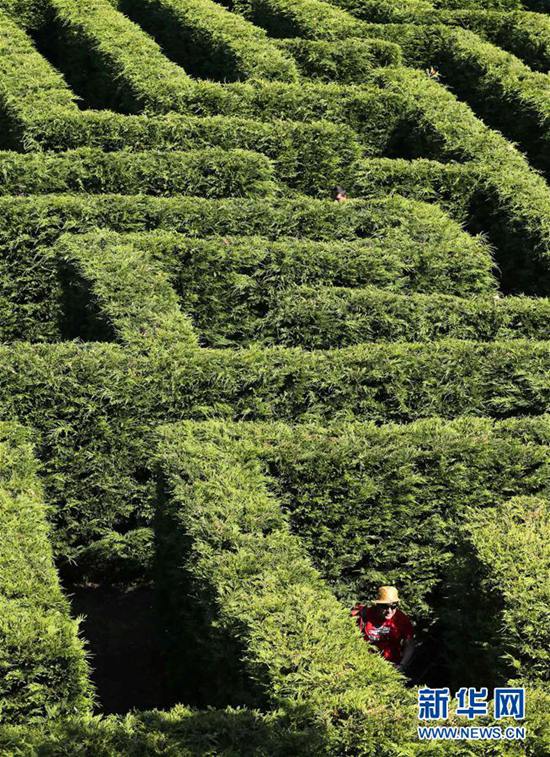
[[331, 317], [165, 155], [348, 61], [526, 35], [28, 224], [112, 289], [513, 199], [146, 84], [94, 404], [374, 114], [416, 11], [503, 628], [179, 732], [232, 286], [28, 83], [385, 504], [453, 186], [224, 541], [311, 19], [210, 172], [210, 42], [397, 259], [498, 86], [187, 733], [108, 60], [43, 670], [310, 157], [385, 11]]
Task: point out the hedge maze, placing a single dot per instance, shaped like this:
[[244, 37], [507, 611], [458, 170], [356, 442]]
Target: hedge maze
[[224, 392]]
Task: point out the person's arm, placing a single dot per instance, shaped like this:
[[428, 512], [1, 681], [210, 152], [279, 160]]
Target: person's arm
[[408, 651]]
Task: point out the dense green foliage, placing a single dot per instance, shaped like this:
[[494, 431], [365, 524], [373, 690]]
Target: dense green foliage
[[348, 61], [29, 224], [110, 289], [310, 157], [224, 542], [329, 317], [504, 623], [94, 405], [348, 394], [210, 42], [42, 664], [210, 172]]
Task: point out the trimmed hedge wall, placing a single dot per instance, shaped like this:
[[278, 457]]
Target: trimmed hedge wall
[[310, 157], [223, 539], [526, 35], [28, 83], [179, 732], [29, 224], [93, 405], [348, 61], [310, 19], [231, 732], [232, 286], [134, 299], [43, 671], [211, 173], [503, 90], [503, 628], [397, 259], [514, 199], [108, 60], [243, 289], [311, 160], [210, 42], [332, 317], [385, 505]]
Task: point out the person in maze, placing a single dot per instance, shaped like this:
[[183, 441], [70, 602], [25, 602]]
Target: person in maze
[[387, 627], [339, 194]]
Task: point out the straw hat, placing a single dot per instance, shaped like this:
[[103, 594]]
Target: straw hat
[[386, 595]]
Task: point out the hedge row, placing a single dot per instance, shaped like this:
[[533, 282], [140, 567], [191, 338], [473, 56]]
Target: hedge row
[[209, 42], [237, 290], [513, 199], [187, 733], [29, 224], [308, 157], [348, 61], [526, 35], [516, 201], [310, 19], [42, 662], [111, 291], [93, 405], [332, 317], [498, 86], [399, 11], [107, 59], [179, 732], [232, 286], [209, 173], [261, 625], [505, 629], [386, 504], [374, 113], [28, 83]]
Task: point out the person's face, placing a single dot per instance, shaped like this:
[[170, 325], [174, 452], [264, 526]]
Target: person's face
[[340, 197], [386, 612]]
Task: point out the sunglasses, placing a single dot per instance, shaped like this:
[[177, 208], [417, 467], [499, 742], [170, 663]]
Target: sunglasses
[[391, 606]]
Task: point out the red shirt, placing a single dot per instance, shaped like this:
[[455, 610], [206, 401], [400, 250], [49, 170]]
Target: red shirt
[[389, 635]]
